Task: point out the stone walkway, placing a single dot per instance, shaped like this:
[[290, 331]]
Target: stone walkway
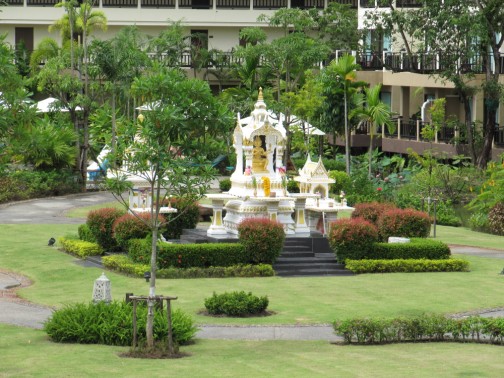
[[16, 311]]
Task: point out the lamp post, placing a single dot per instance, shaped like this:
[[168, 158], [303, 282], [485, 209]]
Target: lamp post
[[102, 289]]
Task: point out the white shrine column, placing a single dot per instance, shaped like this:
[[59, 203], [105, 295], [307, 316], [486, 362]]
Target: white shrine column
[[239, 159], [217, 226], [247, 150], [279, 157]]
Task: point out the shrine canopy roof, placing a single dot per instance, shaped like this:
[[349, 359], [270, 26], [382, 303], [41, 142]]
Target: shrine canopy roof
[[314, 172]]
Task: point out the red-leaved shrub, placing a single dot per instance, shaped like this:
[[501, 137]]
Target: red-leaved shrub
[[371, 211], [100, 224], [130, 227], [407, 223], [352, 238], [262, 238], [496, 219]]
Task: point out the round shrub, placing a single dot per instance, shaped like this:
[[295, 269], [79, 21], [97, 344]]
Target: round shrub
[[262, 238], [225, 185], [186, 217], [343, 182], [352, 238], [129, 227], [236, 303], [100, 224], [407, 223], [292, 186], [112, 324], [371, 211], [85, 233], [496, 219]]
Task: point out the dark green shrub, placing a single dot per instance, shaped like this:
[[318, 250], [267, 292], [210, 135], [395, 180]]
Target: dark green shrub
[[189, 255], [407, 223], [80, 248], [225, 185], [496, 219], [428, 327], [334, 165], [343, 182], [352, 238], [131, 226], [112, 324], [124, 264], [236, 304], [479, 222], [186, 217], [407, 266], [85, 233], [100, 223], [263, 239], [22, 185], [292, 186], [417, 248], [371, 211]]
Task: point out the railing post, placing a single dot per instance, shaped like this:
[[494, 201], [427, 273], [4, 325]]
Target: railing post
[[399, 128], [418, 130], [436, 139]]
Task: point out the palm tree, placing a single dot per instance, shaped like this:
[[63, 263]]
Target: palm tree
[[374, 112], [345, 68]]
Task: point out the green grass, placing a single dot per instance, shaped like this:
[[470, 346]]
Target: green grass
[[28, 353], [465, 236], [58, 280], [82, 212]]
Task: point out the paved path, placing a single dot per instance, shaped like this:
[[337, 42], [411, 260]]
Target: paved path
[[51, 210]]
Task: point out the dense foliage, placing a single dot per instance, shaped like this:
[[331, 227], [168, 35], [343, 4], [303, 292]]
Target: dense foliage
[[352, 238], [496, 219], [371, 211], [26, 184], [100, 223], [125, 265], [236, 303], [404, 223], [189, 255], [80, 248], [262, 239], [129, 226], [407, 266], [186, 217], [85, 233], [112, 324], [421, 328]]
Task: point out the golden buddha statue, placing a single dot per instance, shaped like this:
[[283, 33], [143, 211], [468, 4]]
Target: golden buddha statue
[[259, 157]]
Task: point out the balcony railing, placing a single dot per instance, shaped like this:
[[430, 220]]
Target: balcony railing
[[409, 3], [352, 3], [13, 2], [120, 3], [158, 3], [499, 136], [233, 4], [270, 4], [42, 3]]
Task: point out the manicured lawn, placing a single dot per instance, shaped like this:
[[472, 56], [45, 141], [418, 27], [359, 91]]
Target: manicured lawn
[[465, 236], [82, 212], [28, 353], [59, 280]]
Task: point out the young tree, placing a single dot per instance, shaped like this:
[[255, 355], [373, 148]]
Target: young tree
[[374, 113], [166, 151], [339, 83]]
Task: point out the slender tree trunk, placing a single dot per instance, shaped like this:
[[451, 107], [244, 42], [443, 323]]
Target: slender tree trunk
[[469, 128], [114, 126], [347, 133]]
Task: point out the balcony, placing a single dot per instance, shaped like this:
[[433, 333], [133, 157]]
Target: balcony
[[120, 3], [42, 3], [233, 4], [409, 3], [352, 3], [158, 4], [13, 2]]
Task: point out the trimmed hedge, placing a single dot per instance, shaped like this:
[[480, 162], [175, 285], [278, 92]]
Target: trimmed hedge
[[407, 266], [131, 226], [124, 264], [421, 328], [262, 239], [80, 248], [352, 238], [407, 223], [189, 255], [417, 248], [100, 223], [112, 324], [236, 303]]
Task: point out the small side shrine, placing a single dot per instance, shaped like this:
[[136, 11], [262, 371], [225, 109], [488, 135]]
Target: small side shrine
[[140, 195], [259, 184]]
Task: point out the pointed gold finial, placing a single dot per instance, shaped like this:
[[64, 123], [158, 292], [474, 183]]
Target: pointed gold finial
[[260, 97]]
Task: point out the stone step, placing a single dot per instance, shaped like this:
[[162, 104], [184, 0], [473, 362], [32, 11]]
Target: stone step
[[313, 272], [293, 254], [305, 260]]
